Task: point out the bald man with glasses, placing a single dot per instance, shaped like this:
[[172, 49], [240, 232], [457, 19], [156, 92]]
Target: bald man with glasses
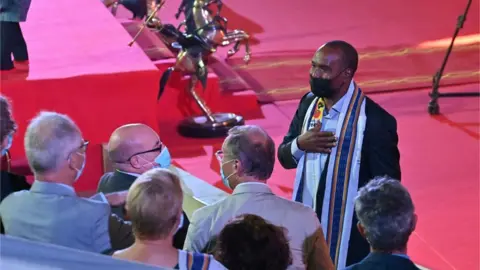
[[134, 149]]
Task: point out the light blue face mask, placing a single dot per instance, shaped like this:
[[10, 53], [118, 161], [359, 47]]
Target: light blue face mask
[[80, 171], [164, 160], [222, 174], [9, 144]]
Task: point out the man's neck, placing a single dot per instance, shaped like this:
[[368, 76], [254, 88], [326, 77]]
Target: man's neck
[[55, 179], [248, 180], [157, 252], [330, 102], [397, 252], [164, 245]]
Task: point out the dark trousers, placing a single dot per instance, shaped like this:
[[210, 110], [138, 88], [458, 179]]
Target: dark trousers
[[11, 42], [137, 7]]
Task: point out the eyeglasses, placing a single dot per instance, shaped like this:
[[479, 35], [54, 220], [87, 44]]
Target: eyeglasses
[[219, 155], [156, 149], [84, 146], [81, 149]]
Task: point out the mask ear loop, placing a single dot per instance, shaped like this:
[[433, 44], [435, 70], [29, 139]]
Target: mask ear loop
[[235, 166]]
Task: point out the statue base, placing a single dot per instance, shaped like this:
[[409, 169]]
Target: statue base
[[202, 127]]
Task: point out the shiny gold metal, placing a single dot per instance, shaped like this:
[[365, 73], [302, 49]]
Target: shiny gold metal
[[213, 29], [147, 21], [200, 102]]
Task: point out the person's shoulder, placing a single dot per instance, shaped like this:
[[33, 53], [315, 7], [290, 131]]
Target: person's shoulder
[[12, 199], [306, 213], [195, 257], [353, 267], [215, 265], [207, 211], [373, 109], [307, 98], [104, 180], [93, 207], [106, 176]]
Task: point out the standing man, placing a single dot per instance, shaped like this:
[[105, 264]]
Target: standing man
[[338, 140], [12, 12]]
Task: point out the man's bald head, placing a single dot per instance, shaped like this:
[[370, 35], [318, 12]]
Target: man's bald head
[[131, 139]]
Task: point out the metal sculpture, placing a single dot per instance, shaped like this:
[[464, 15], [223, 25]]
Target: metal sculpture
[[212, 28], [193, 52], [139, 8]]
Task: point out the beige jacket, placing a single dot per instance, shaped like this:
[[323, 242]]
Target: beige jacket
[[307, 243]]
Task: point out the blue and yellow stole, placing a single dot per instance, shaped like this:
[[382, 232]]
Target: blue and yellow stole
[[337, 196]]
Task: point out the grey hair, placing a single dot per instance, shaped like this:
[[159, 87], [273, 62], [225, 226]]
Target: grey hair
[[254, 148], [386, 211], [49, 140]]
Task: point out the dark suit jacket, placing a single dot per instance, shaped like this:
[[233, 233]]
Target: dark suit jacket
[[10, 183], [383, 261], [380, 156], [118, 181]]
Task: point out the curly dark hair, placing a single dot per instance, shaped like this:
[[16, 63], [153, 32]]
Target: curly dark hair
[[251, 243], [7, 124]]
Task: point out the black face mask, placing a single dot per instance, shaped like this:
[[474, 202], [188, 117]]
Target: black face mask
[[321, 87]]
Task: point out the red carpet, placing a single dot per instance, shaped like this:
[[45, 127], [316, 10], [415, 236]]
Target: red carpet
[[80, 65], [84, 68], [389, 36], [440, 166]]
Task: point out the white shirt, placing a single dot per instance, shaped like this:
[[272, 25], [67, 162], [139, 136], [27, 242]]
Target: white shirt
[[329, 123]]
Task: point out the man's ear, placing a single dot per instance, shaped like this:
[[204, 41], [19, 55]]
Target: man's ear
[[414, 222], [134, 162], [361, 230], [349, 72], [237, 165]]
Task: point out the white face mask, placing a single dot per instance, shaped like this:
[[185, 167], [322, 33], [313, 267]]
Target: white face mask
[[80, 171]]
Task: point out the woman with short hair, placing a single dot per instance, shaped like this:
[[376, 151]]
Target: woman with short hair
[[154, 206]]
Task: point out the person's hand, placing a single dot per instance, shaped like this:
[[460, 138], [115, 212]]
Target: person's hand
[[316, 141], [117, 198]]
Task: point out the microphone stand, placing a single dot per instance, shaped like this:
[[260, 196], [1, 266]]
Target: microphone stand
[[433, 107]]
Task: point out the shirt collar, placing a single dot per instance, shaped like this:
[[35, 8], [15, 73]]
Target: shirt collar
[[401, 255], [252, 187], [129, 173], [52, 188]]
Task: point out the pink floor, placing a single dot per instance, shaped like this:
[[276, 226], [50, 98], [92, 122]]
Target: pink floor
[[440, 166]]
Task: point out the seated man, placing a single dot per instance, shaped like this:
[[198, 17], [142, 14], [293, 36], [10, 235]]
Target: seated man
[[386, 219], [51, 212], [246, 161], [134, 149], [9, 182], [154, 204]]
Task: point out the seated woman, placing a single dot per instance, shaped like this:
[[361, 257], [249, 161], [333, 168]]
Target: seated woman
[[154, 206], [250, 242], [9, 182]]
